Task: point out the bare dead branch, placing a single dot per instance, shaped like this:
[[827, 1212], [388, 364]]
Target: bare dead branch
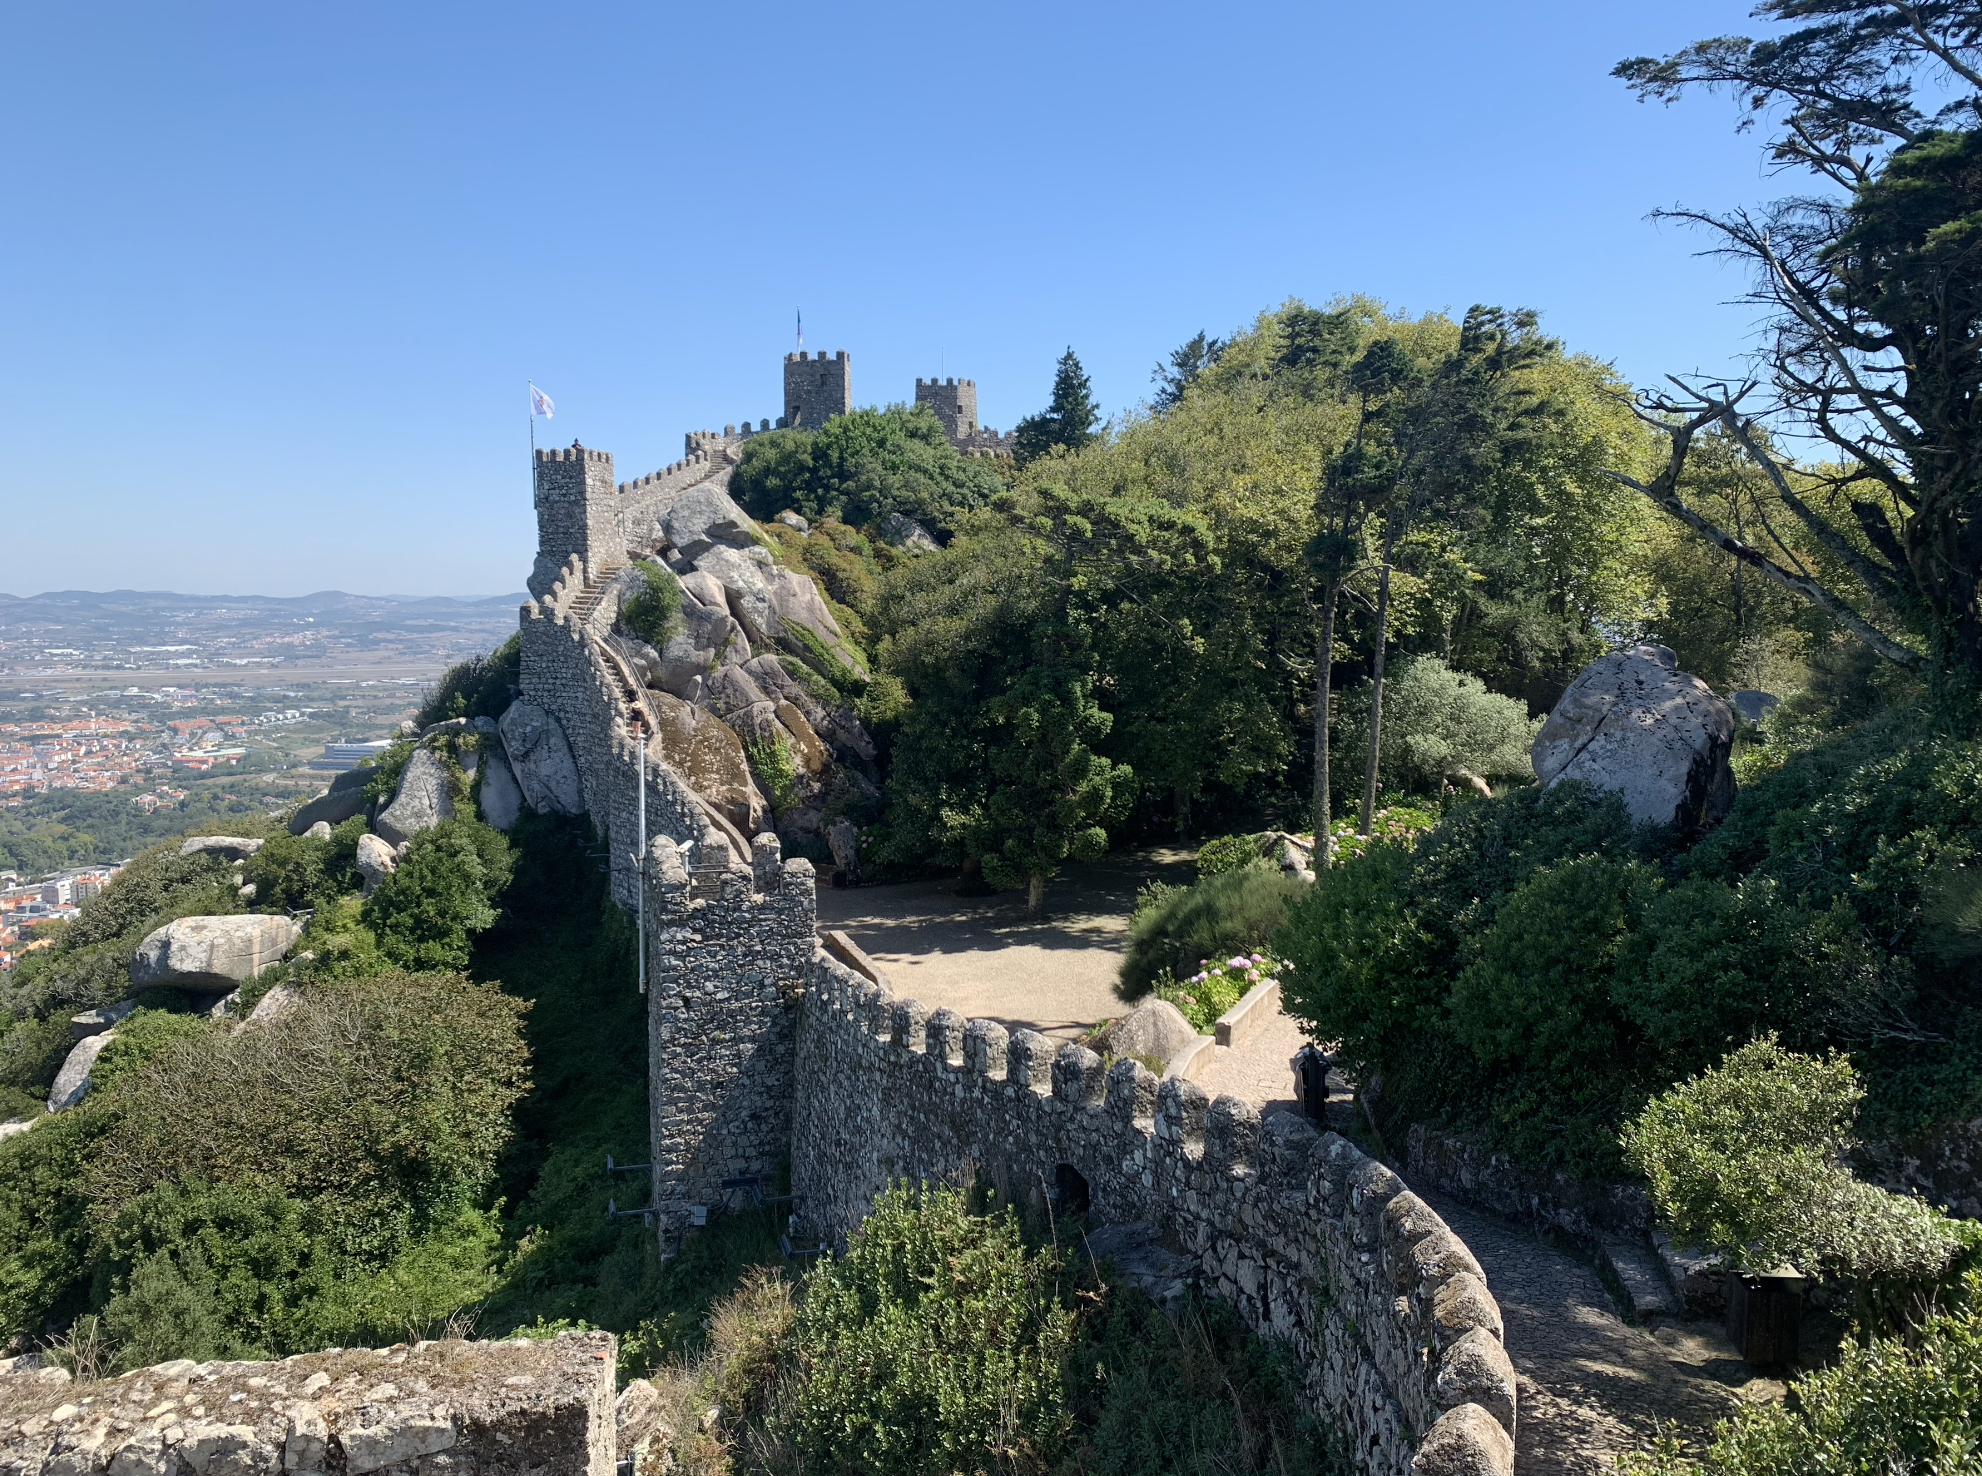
[[1879, 582], [1664, 491]]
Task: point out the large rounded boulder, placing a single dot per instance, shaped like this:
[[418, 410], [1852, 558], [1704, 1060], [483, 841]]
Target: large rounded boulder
[[541, 760], [211, 955], [425, 798], [1635, 723]]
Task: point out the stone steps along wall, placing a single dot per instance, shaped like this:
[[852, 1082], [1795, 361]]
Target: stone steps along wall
[[450, 1408], [582, 512], [724, 974], [566, 669], [1314, 1243]]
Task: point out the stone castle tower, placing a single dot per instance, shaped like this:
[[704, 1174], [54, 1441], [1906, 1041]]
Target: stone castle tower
[[955, 404], [816, 389]]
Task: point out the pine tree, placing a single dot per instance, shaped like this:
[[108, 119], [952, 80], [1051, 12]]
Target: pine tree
[[1068, 420], [1186, 364]]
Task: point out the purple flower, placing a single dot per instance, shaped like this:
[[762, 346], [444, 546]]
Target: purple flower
[[1241, 962]]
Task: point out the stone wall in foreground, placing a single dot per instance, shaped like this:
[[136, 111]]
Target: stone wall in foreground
[[1314, 1243], [433, 1409]]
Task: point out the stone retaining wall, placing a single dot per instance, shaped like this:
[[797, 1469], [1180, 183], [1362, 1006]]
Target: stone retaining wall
[[433, 1409], [1314, 1243]]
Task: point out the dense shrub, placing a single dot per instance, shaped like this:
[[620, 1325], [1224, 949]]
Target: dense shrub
[[1137, 1389], [934, 1344], [847, 564], [89, 964], [1232, 912], [1225, 853], [1460, 971], [1745, 1160], [1540, 983], [141, 1035], [295, 872], [1896, 1404], [653, 612], [1538, 967], [1191, 1393], [315, 1180], [479, 687], [861, 467], [443, 892], [1436, 721], [388, 1095]]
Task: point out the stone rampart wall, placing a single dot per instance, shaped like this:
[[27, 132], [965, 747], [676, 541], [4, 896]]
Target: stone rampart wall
[[433, 1409], [723, 981], [567, 670], [1313, 1242]]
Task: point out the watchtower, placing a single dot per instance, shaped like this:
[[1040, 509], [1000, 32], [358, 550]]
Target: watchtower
[[817, 389], [577, 512], [953, 400]]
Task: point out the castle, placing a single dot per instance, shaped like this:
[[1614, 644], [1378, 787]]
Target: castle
[[771, 1047], [818, 389]]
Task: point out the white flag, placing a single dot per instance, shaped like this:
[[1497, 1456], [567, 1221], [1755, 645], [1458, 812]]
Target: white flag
[[540, 403]]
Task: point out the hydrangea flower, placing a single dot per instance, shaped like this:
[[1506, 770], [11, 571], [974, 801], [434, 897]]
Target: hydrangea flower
[[1241, 962]]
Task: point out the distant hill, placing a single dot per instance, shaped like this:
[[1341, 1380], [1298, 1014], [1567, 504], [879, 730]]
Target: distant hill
[[76, 602]]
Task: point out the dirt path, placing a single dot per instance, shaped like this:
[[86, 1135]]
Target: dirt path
[[979, 955], [1591, 1386]]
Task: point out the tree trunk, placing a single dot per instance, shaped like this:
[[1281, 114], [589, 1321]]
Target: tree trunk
[[1035, 896], [1183, 816], [1324, 667], [1376, 697]]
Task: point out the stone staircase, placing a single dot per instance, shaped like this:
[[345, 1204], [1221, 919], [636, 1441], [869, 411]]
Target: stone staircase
[[587, 602]]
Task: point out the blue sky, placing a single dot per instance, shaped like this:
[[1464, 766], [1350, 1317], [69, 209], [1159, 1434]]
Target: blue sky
[[275, 276]]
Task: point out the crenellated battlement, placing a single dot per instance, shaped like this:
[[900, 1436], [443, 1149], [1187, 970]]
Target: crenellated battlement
[[573, 452], [952, 380], [817, 389], [1313, 1242]]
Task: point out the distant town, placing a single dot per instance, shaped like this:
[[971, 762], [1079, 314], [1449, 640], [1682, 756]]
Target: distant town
[[174, 704]]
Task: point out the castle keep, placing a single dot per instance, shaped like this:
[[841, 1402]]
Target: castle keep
[[768, 1049]]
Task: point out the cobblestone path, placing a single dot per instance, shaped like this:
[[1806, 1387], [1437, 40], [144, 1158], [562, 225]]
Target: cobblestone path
[[1591, 1386]]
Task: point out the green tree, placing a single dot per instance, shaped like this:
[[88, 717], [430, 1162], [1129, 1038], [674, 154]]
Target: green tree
[[443, 892], [1051, 794], [1180, 372], [1357, 481], [1874, 315], [1450, 432], [1068, 419], [861, 467], [1443, 724], [1006, 753]]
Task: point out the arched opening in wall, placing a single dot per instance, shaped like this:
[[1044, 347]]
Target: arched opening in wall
[[1069, 1191]]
